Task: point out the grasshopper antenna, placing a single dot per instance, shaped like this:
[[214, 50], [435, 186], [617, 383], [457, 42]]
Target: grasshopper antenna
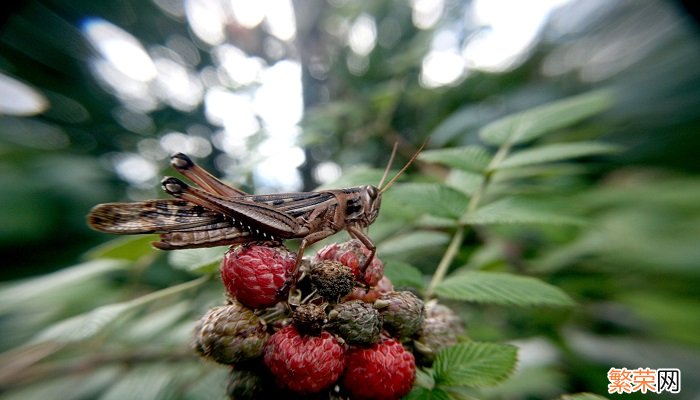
[[405, 167], [388, 165]]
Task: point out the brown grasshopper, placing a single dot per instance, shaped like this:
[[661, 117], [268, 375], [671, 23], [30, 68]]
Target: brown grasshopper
[[216, 214]]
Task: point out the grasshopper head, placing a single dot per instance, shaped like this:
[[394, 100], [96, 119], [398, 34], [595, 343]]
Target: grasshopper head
[[371, 200]]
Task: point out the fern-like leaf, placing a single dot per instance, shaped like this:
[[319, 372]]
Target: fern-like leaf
[[533, 123]]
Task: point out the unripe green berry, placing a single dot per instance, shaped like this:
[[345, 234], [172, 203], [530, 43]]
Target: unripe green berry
[[230, 334], [356, 322], [403, 313]]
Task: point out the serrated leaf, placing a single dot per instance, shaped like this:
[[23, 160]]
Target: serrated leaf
[[424, 378], [422, 393], [60, 280], [582, 396], [461, 393], [513, 210], [129, 248], [502, 289], [556, 152], [428, 198], [474, 364], [411, 242], [403, 274], [533, 123], [467, 158], [200, 261]]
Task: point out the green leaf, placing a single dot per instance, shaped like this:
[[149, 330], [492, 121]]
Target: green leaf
[[542, 171], [533, 123], [200, 261], [403, 274], [359, 176], [462, 122], [129, 248], [582, 396], [150, 382], [428, 221], [474, 364], [501, 288], [422, 393], [92, 323], [512, 210], [464, 181], [424, 378], [412, 242], [64, 279], [87, 385], [556, 152], [468, 158], [209, 386], [427, 198], [157, 324], [84, 326]]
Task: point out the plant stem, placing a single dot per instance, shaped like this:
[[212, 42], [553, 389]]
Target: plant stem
[[458, 237], [445, 262], [157, 295]]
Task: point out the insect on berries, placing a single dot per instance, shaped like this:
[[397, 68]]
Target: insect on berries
[[212, 213], [291, 326]]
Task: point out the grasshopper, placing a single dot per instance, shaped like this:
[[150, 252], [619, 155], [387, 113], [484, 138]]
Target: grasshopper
[[216, 214]]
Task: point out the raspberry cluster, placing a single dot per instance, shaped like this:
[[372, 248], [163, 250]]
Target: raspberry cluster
[[334, 329]]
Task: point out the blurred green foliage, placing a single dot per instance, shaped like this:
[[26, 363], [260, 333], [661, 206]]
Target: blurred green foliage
[[585, 181]]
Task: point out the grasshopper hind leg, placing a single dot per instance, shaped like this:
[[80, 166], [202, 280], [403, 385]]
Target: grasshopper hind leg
[[184, 165]]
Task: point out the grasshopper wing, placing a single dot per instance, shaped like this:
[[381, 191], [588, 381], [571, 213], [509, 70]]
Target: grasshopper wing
[[151, 216]]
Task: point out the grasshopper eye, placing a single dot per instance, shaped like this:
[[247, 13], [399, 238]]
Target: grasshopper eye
[[372, 192]]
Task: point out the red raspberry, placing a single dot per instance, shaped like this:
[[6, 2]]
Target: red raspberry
[[354, 255], [383, 371], [258, 276], [304, 364]]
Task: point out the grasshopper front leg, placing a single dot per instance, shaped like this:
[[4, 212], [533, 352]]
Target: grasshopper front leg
[[358, 234]]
